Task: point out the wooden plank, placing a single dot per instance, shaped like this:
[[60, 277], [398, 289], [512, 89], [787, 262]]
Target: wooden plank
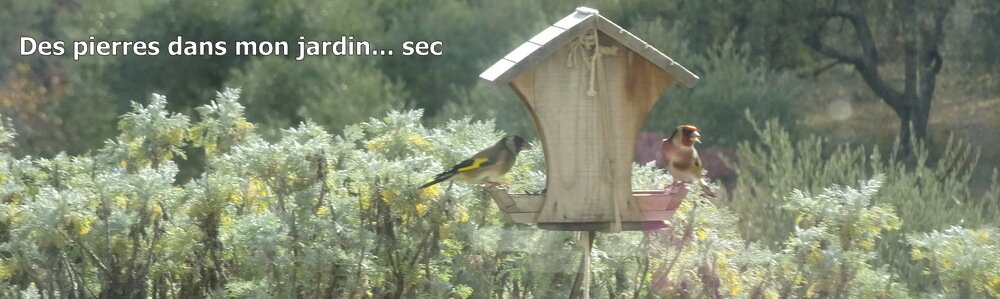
[[529, 203], [548, 41], [547, 35], [527, 63], [496, 70], [569, 28], [588, 139], [503, 200], [573, 19], [575, 192], [523, 217], [524, 86], [522, 51], [604, 226], [658, 215], [646, 201], [648, 216], [593, 137], [676, 70], [659, 203]]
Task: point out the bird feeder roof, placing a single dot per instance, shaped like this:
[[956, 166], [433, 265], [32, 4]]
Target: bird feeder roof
[[572, 26]]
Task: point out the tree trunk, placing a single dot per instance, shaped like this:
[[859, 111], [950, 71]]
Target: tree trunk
[[921, 32]]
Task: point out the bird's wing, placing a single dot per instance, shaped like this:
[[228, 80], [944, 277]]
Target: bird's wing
[[473, 164], [666, 147]]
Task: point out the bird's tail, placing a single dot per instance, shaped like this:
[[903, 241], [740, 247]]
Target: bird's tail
[[439, 178]]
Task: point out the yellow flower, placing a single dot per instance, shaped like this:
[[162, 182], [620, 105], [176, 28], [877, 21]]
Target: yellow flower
[[243, 125], [421, 209], [430, 192], [157, 211], [5, 270], [730, 278], [811, 291], [321, 211], [463, 217], [866, 244], [702, 235], [83, 226], [387, 195], [981, 235], [257, 188], [993, 282], [224, 219], [814, 256], [946, 262], [210, 148], [417, 140], [364, 201], [175, 137], [376, 144]]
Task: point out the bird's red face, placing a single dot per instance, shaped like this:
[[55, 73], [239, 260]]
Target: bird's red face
[[689, 135]]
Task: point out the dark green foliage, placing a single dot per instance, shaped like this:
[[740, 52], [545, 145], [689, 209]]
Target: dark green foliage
[[732, 82], [346, 91]]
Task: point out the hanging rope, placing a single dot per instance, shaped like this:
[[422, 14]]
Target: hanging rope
[[587, 48], [579, 50]]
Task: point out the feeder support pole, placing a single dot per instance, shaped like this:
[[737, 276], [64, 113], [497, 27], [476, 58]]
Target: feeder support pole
[[581, 285]]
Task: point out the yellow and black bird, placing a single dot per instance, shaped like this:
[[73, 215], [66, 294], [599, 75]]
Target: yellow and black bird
[[681, 158], [486, 166]]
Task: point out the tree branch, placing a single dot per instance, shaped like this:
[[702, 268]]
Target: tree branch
[[869, 49], [89, 253], [826, 67], [866, 63], [814, 40]]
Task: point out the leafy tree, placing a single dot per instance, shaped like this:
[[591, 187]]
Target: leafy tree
[[977, 23], [918, 28]]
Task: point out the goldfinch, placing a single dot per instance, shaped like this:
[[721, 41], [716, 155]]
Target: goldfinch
[[681, 158], [487, 165]]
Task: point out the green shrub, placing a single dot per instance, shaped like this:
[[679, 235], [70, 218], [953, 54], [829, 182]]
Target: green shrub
[[731, 82], [313, 214], [964, 262], [928, 195]]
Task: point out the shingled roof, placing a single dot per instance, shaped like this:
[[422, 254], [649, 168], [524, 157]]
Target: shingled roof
[[572, 26]]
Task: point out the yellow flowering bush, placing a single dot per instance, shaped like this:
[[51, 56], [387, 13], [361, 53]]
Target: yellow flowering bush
[[312, 214]]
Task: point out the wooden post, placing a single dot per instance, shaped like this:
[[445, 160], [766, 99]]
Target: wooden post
[[581, 284]]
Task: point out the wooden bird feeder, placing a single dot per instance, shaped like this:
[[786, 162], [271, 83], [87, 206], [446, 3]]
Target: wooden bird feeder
[[589, 86]]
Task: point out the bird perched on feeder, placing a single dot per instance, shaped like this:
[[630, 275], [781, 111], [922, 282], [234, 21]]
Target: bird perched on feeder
[[487, 165], [681, 158]]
